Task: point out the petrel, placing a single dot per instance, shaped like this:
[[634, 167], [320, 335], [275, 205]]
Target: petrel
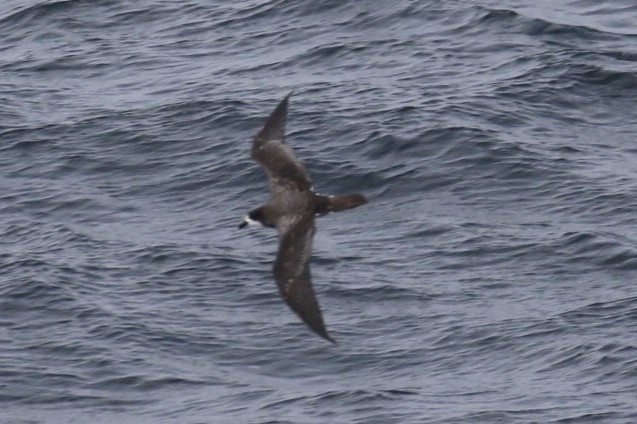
[[291, 209]]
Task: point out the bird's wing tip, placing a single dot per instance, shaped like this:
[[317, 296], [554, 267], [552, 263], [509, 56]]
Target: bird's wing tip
[[327, 336]]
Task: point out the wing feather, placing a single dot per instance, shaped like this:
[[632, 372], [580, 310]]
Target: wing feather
[[292, 271], [275, 155]]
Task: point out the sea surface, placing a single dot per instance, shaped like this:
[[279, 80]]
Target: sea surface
[[492, 278]]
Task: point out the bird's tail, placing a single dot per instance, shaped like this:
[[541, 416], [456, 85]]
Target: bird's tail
[[326, 204]]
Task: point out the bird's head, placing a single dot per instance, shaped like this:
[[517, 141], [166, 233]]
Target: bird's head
[[256, 217]]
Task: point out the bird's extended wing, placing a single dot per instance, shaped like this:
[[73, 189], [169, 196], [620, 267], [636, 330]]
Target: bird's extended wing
[[292, 271], [276, 156]]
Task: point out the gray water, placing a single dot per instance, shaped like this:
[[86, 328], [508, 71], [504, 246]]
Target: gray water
[[491, 278]]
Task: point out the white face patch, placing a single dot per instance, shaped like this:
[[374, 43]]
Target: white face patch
[[251, 221]]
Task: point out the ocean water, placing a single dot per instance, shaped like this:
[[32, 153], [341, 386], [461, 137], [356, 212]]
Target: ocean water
[[491, 278]]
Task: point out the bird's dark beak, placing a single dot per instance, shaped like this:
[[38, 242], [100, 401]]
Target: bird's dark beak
[[243, 224]]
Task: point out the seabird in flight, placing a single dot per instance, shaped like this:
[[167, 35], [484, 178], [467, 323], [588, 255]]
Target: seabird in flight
[[292, 207]]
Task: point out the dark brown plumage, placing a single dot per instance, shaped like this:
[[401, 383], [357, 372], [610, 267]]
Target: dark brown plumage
[[291, 210]]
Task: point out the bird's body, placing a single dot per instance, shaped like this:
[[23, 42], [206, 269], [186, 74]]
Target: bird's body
[[291, 209]]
